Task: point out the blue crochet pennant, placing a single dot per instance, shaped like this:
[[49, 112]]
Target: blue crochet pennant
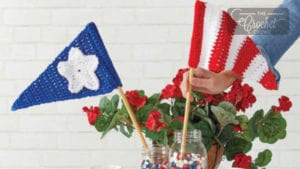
[[82, 69]]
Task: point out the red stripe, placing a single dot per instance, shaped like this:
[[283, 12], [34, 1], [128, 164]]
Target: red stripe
[[196, 41], [221, 47], [245, 56], [268, 81]]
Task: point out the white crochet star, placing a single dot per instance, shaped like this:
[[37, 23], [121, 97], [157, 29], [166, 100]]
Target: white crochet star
[[79, 70]]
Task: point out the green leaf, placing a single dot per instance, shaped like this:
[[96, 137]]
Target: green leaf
[[112, 124], [178, 125], [228, 107], [242, 119], [101, 124], [198, 95], [106, 106], [141, 92], [199, 112], [159, 137], [163, 108], [126, 130], [207, 134], [178, 108], [223, 116], [167, 118], [252, 127], [115, 102], [226, 134], [243, 135], [253, 166], [237, 145], [282, 134], [272, 128], [210, 123], [263, 158], [153, 99], [143, 113]]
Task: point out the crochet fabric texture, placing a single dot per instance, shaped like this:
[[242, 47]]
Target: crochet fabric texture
[[216, 47], [82, 69]]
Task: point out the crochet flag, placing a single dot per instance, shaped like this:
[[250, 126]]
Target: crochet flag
[[216, 47], [82, 69]]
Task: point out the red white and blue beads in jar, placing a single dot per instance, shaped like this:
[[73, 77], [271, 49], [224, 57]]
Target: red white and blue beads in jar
[[189, 161], [195, 156], [156, 158]]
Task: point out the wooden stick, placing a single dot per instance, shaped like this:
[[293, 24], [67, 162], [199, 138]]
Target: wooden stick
[[136, 125], [186, 114]]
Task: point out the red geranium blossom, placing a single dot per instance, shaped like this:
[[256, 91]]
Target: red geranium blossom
[[179, 118], [242, 161], [284, 104], [173, 90], [215, 99], [241, 96], [179, 76], [170, 91], [92, 113], [237, 128], [153, 122], [135, 99]]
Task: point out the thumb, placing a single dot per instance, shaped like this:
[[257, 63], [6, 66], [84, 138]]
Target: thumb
[[184, 84]]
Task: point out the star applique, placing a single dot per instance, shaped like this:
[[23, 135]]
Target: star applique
[[79, 70]]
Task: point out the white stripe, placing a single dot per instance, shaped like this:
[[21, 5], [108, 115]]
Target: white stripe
[[212, 24], [236, 45], [257, 68]]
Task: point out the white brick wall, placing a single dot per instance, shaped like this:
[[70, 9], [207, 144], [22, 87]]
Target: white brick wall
[[148, 40]]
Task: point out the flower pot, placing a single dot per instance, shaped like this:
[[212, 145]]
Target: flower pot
[[214, 156]]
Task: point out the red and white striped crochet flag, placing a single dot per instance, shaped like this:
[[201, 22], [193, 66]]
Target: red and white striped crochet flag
[[216, 47]]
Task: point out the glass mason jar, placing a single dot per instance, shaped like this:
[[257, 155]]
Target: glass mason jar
[[156, 158], [195, 156]]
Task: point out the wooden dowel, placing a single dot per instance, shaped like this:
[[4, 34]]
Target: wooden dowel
[[135, 123], [186, 114]]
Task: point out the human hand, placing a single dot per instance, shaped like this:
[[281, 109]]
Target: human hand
[[209, 82]]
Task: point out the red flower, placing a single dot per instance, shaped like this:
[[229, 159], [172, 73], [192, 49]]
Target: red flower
[[173, 90], [237, 128], [240, 96], [276, 109], [135, 99], [93, 113], [215, 99], [179, 76], [284, 104], [170, 91], [242, 161], [179, 118], [153, 122], [209, 98]]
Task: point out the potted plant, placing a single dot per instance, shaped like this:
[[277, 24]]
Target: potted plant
[[226, 127]]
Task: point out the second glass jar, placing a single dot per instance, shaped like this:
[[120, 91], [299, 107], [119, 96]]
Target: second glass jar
[[195, 156]]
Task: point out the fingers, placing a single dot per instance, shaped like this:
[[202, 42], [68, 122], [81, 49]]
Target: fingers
[[200, 82], [202, 73], [184, 84], [202, 90], [203, 85], [204, 81]]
